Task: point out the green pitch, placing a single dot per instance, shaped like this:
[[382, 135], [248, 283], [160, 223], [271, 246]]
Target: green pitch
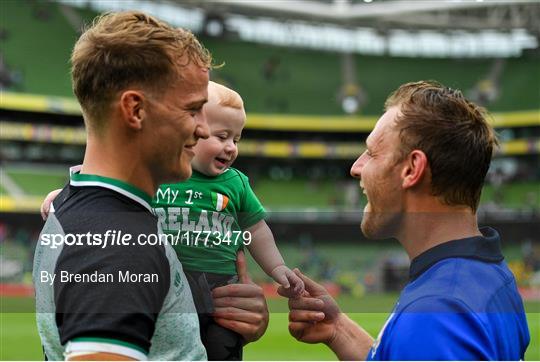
[[19, 339]]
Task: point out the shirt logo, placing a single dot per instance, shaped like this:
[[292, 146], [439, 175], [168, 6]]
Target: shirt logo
[[219, 201]]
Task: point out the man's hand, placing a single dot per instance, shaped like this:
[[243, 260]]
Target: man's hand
[[316, 318], [313, 317], [46, 204], [241, 307]]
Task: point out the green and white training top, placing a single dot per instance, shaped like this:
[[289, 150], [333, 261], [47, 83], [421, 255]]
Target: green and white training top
[[129, 296]]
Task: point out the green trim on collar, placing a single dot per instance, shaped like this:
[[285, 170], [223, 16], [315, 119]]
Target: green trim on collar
[[82, 179]]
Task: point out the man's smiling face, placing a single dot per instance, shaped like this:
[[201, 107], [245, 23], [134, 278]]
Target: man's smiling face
[[379, 174]]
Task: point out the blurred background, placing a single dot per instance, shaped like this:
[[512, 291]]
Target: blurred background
[[314, 76]]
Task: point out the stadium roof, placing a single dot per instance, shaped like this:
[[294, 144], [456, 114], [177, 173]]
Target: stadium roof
[[453, 29], [464, 14]]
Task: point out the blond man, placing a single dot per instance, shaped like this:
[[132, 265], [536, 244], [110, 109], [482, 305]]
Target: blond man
[[99, 295]]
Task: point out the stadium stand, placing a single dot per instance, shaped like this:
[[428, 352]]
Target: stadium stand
[[271, 79], [291, 154], [297, 148], [297, 145]]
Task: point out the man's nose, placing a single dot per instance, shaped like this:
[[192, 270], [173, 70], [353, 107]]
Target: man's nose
[[358, 165], [201, 127]]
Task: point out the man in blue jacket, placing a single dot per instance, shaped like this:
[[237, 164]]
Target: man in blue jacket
[[422, 173]]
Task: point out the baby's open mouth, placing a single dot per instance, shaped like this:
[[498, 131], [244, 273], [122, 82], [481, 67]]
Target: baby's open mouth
[[222, 160]]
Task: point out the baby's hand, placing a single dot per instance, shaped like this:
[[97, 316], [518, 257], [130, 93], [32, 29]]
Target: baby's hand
[[288, 279], [46, 205]]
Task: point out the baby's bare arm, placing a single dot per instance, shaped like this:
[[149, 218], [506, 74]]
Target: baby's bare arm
[[263, 247], [265, 252]]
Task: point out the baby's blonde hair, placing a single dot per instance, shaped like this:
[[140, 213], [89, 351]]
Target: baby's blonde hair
[[223, 96]]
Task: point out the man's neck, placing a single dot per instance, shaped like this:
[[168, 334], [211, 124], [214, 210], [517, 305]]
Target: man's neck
[[105, 158], [424, 230]]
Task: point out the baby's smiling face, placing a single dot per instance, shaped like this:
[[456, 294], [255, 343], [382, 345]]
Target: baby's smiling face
[[218, 152]]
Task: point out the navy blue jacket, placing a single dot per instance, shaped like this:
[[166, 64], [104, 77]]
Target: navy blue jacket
[[461, 303]]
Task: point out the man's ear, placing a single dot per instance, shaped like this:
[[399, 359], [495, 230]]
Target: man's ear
[[132, 105], [416, 165]]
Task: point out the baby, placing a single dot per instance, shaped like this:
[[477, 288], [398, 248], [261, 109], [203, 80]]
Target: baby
[[214, 214]]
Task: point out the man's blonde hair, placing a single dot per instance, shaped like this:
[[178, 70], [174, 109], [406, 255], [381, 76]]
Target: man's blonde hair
[[224, 96], [127, 49]]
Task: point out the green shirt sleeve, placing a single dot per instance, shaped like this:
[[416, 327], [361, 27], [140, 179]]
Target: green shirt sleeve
[[251, 209]]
